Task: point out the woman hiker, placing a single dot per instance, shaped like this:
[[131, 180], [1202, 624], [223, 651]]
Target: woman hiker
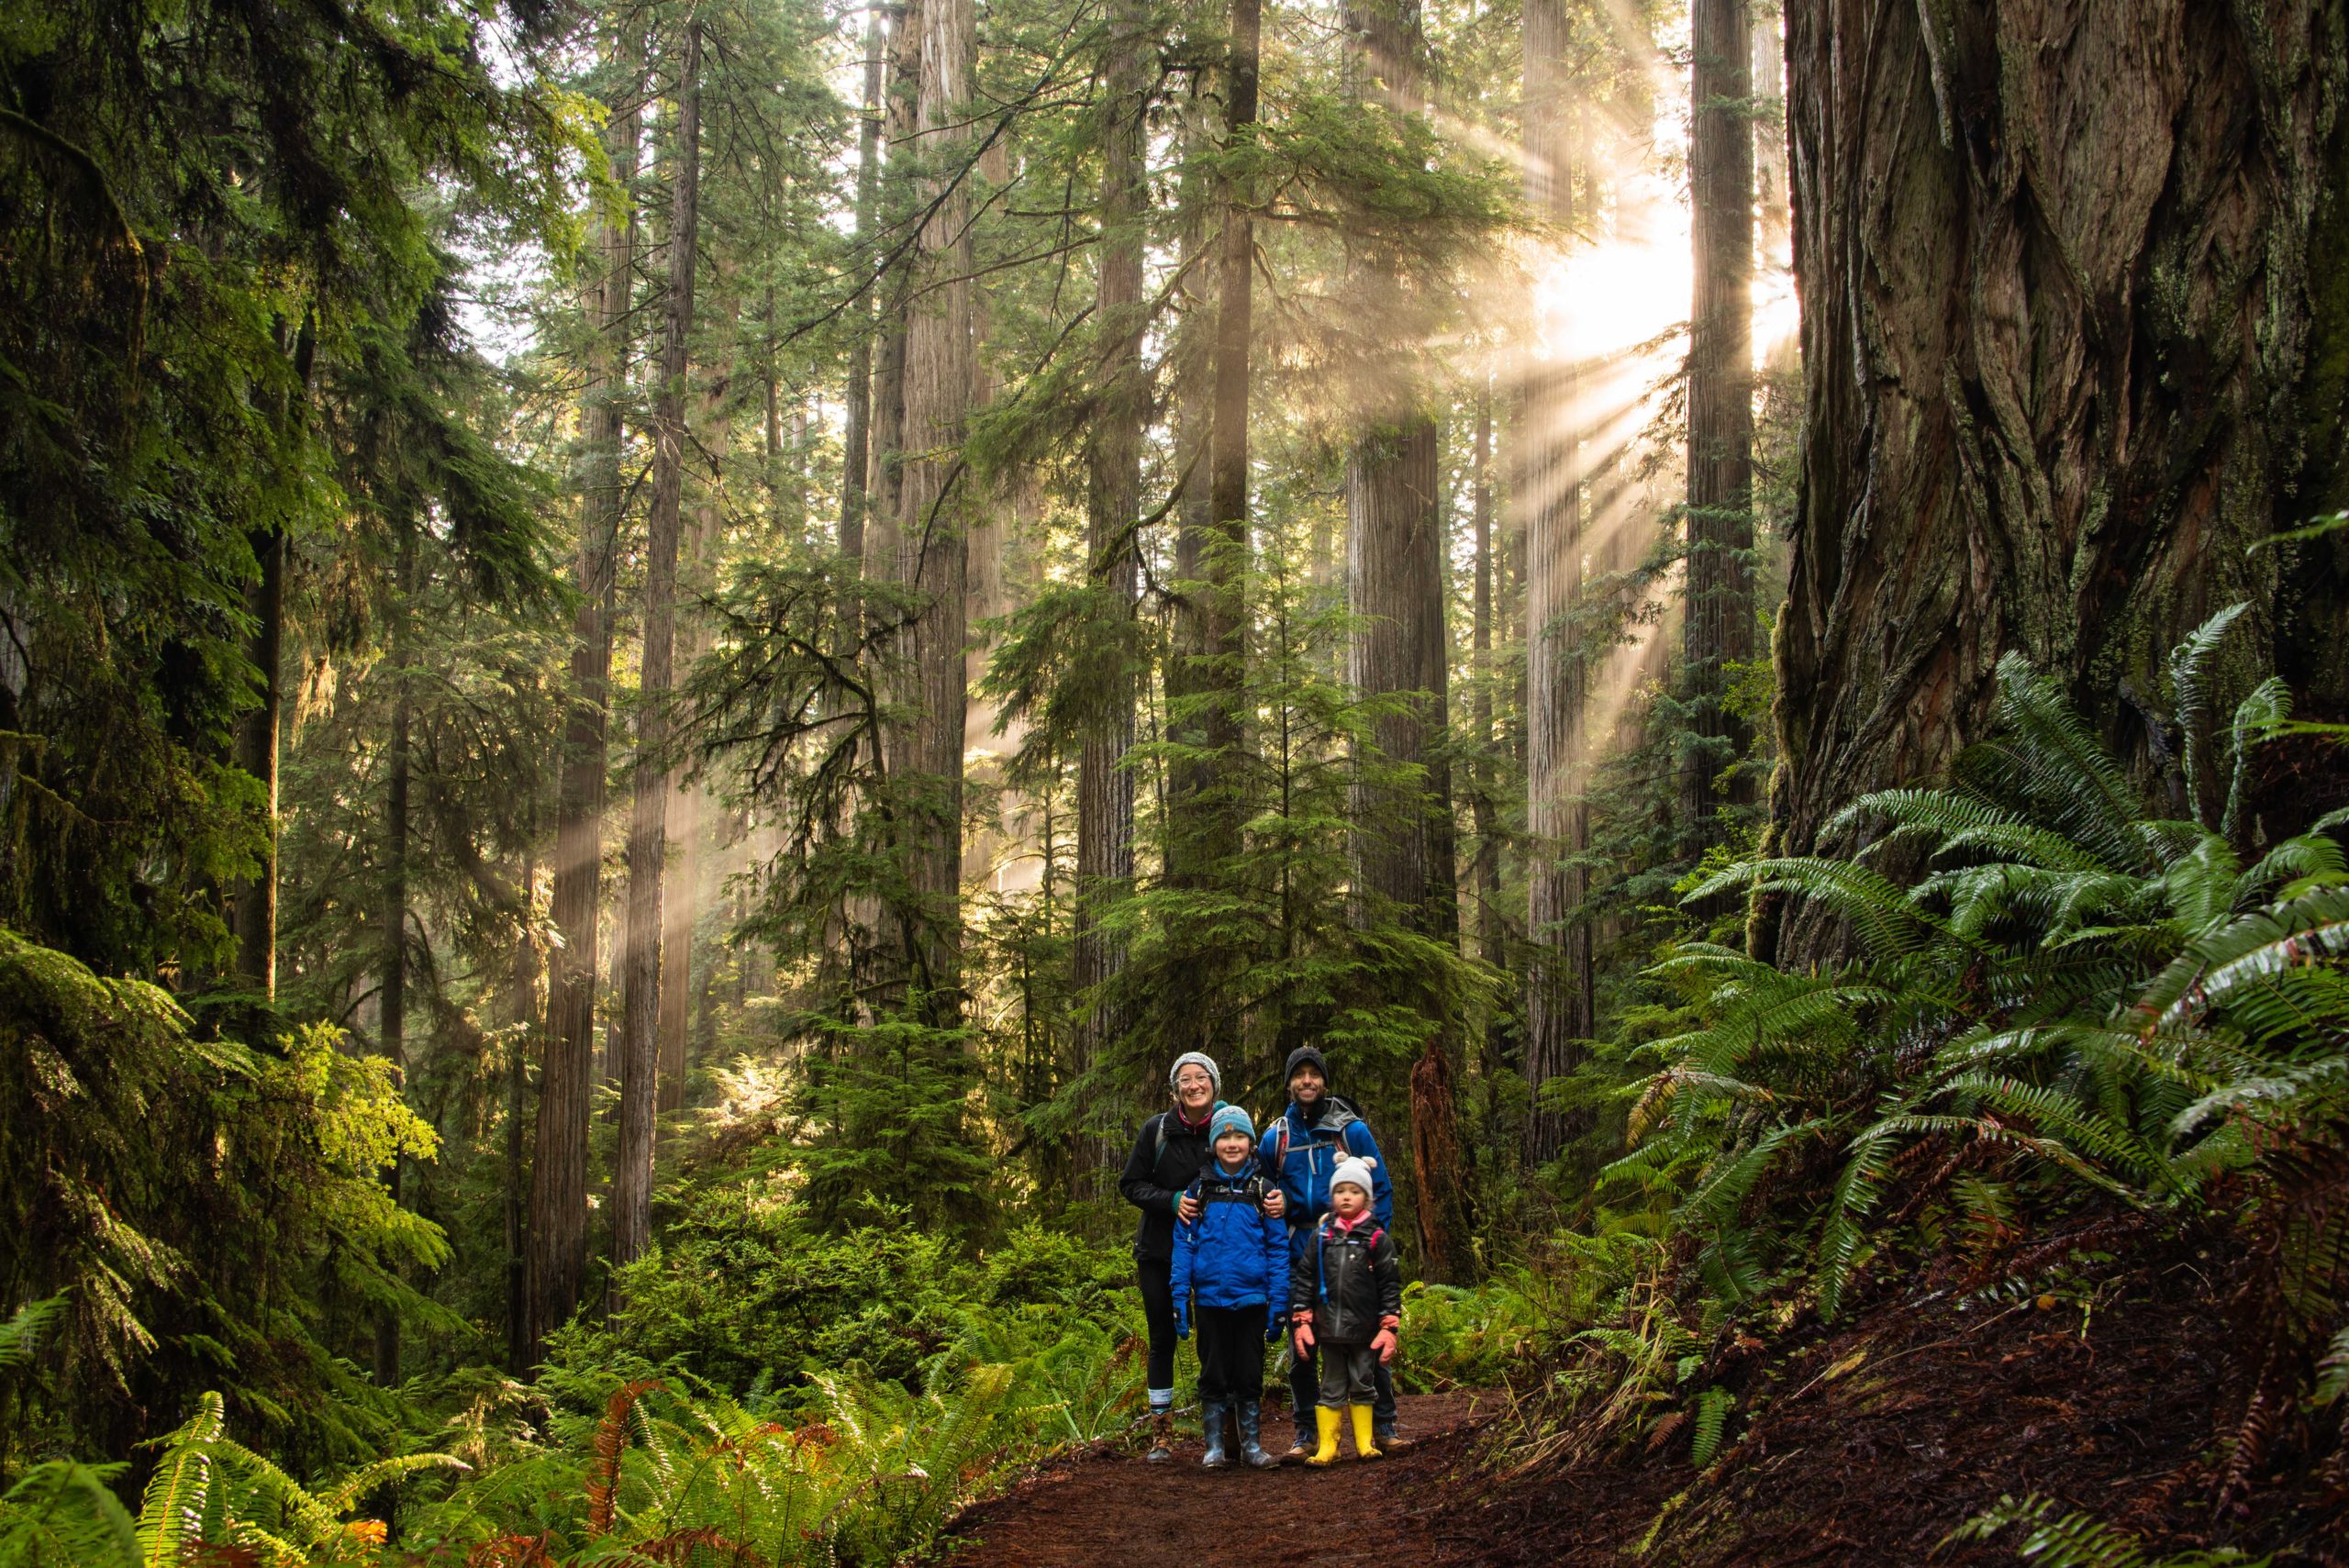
[[1169, 1153]]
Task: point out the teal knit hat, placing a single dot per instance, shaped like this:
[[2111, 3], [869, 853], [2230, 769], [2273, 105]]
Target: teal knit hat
[[1230, 1119]]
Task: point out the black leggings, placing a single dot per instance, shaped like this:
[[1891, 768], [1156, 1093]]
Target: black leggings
[[1156, 1278], [1231, 1353]]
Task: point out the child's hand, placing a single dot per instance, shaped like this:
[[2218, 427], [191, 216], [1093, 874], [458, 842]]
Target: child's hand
[[1384, 1343], [1304, 1333]]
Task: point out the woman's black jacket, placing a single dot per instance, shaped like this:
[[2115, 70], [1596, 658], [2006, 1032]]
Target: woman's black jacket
[[1164, 1162]]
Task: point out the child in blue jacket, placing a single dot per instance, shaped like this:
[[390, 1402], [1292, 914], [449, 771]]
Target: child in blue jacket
[[1233, 1258]]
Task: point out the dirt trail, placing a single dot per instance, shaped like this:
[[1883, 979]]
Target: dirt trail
[[1110, 1509]]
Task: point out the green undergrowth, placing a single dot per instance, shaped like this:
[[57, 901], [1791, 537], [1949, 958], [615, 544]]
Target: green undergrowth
[[2065, 993]]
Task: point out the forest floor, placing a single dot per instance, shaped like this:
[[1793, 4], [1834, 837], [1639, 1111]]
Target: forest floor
[[1104, 1506], [2112, 1380]]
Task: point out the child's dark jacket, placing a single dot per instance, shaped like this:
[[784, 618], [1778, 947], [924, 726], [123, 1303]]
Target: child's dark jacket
[[1349, 1279], [1233, 1254]]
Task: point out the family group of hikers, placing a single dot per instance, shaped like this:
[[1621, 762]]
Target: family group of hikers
[[1248, 1238]]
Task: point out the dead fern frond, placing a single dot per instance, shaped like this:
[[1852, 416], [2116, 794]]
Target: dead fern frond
[[611, 1440]]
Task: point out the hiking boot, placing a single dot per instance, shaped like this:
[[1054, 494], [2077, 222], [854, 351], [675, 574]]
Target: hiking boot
[[1387, 1439], [1162, 1437], [1251, 1447], [1211, 1417]]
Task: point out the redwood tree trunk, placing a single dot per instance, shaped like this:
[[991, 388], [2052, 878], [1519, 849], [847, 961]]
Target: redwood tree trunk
[[1105, 789], [1558, 1010], [557, 1240], [1400, 798], [932, 538], [856, 437], [2055, 271], [1718, 623], [681, 886], [1486, 876], [1204, 805], [648, 833]]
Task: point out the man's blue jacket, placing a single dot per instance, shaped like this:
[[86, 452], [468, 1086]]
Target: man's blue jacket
[[1233, 1254], [1304, 1155]]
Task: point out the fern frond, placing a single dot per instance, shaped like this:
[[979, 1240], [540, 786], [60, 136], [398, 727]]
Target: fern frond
[[66, 1514], [344, 1496], [2186, 664], [2258, 716], [2078, 1541], [2052, 757], [2252, 948], [1722, 1190], [1712, 1416], [20, 1335]]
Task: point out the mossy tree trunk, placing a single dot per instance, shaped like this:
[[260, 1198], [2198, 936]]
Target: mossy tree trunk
[[2056, 276]]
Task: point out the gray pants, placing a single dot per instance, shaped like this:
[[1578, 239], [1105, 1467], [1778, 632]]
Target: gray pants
[[1349, 1374]]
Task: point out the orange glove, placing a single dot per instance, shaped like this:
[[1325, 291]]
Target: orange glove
[[1304, 1332], [1383, 1340]]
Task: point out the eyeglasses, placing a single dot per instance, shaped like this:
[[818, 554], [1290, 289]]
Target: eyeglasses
[[1192, 1080]]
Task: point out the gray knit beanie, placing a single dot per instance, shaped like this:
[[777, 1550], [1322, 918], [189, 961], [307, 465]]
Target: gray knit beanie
[[1200, 1058]]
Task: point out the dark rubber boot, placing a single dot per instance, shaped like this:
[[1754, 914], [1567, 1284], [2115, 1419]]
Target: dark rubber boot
[[1251, 1447], [1211, 1417], [1162, 1437]]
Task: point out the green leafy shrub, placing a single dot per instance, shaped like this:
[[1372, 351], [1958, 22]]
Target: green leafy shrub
[[211, 1215], [744, 1297]]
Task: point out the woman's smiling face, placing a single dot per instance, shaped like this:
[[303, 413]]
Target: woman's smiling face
[[1194, 1090]]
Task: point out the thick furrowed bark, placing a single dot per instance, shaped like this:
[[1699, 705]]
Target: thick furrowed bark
[[933, 536], [2055, 271], [1718, 623], [648, 836]]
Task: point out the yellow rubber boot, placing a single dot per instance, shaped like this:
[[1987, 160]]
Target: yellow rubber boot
[[1363, 1448], [1327, 1420]]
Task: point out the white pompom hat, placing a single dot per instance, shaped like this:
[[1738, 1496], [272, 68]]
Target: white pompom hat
[[1353, 1170]]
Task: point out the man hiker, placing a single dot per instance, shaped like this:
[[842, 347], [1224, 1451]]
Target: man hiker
[[1302, 1150]]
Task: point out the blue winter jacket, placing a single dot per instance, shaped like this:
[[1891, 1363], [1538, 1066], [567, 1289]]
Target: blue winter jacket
[[1233, 1254], [1305, 1155]]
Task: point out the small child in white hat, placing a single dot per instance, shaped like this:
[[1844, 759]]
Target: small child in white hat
[[1346, 1296]]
